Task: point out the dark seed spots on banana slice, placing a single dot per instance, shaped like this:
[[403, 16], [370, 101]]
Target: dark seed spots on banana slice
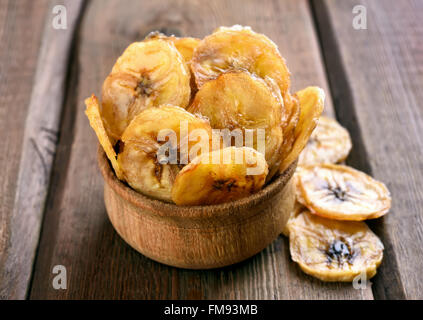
[[341, 252], [222, 184], [144, 87], [339, 193]]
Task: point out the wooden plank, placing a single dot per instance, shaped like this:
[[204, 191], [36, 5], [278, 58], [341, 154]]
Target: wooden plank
[[76, 232], [20, 36], [376, 76], [20, 230]]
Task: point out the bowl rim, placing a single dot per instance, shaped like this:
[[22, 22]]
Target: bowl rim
[[167, 209]]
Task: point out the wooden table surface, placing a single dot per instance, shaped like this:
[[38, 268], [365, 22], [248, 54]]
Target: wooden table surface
[[51, 191]]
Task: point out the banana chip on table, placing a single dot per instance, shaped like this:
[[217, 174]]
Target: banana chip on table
[[148, 74], [334, 250], [311, 100], [342, 193], [297, 209], [238, 100], [93, 114], [220, 176], [329, 143], [138, 157], [240, 48]]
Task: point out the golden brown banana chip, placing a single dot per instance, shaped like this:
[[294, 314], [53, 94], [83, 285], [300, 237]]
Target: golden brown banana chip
[[342, 193], [334, 250], [329, 143], [139, 157], [237, 100], [220, 176], [289, 125], [185, 45], [93, 114], [311, 107], [240, 48], [149, 73], [297, 208]]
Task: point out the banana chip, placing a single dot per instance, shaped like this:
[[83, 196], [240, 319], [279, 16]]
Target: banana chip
[[342, 193], [237, 100], [185, 46], [240, 48], [149, 73], [329, 143], [220, 176], [334, 250], [93, 114], [139, 159], [289, 125], [311, 101]]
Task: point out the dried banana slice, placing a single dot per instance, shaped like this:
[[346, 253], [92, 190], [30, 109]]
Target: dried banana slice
[[311, 107], [334, 250], [220, 176], [342, 193], [240, 48], [237, 100], [329, 143], [139, 159], [288, 216], [289, 126], [185, 45], [93, 114], [149, 73]]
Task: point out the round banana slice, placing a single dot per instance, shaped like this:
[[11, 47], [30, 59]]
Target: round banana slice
[[149, 73], [220, 176], [311, 101], [289, 126], [144, 167], [342, 193], [93, 114], [237, 100], [334, 250], [240, 48], [185, 46], [329, 143]]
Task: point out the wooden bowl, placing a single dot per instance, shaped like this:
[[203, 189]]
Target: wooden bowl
[[197, 237]]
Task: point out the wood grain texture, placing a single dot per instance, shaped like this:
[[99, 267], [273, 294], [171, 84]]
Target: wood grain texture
[[21, 229], [198, 237], [76, 231], [376, 77], [20, 35]]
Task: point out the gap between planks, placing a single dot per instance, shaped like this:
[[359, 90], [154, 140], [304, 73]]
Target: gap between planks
[[38, 151], [387, 284]]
